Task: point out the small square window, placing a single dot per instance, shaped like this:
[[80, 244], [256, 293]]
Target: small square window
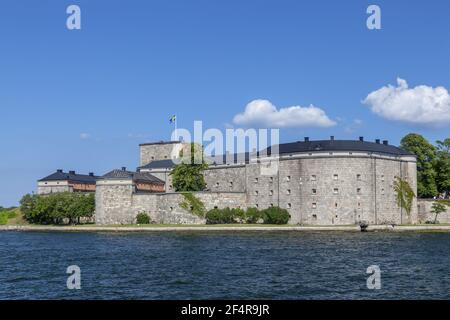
[[335, 205], [289, 205], [288, 191], [288, 178], [256, 180], [314, 205], [314, 216], [335, 177], [256, 205], [271, 204], [382, 178], [382, 191], [358, 177], [271, 192], [217, 184], [256, 192], [313, 177], [271, 179], [335, 190], [314, 191], [231, 184], [358, 190]]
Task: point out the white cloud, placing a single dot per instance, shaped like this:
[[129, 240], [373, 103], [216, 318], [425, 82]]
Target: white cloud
[[84, 136], [264, 113], [422, 105]]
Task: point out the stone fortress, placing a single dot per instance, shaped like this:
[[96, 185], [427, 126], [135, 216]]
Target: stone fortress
[[324, 182]]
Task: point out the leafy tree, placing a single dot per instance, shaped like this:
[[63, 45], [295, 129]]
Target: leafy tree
[[188, 175], [442, 166], [404, 194], [57, 208], [437, 208], [426, 156]]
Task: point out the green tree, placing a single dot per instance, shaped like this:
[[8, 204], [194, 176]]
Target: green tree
[[437, 208], [57, 208], [188, 175], [442, 166], [426, 156], [404, 194]]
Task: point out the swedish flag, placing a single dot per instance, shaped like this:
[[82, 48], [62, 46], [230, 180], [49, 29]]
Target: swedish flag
[[173, 119]]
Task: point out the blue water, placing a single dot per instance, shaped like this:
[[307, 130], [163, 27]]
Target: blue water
[[223, 265]]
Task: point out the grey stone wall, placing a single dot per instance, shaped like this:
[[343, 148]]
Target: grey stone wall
[[113, 204], [225, 179], [424, 212], [161, 151], [119, 204], [335, 189], [42, 190]]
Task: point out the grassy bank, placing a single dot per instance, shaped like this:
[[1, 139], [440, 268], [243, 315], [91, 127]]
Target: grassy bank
[[12, 216]]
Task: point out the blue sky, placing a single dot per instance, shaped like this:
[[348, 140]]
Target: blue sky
[[135, 63]]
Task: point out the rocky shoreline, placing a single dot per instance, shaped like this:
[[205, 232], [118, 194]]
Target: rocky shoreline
[[151, 228]]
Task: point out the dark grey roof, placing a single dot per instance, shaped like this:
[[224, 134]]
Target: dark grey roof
[[299, 147], [340, 145], [118, 174], [63, 176], [159, 164], [159, 142]]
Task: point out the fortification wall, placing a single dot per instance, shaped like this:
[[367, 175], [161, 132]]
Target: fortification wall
[[117, 203], [333, 190], [225, 179], [424, 212], [113, 203], [158, 151]]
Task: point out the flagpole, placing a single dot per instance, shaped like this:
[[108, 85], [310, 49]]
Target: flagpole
[[176, 127]]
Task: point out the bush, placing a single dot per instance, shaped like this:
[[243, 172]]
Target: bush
[[142, 218], [57, 208], [275, 215], [253, 215], [220, 216]]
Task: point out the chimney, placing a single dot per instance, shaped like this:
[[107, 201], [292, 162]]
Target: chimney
[[332, 138], [361, 139], [377, 141], [71, 172], [91, 174], [124, 168], [306, 139], [59, 170], [385, 142]]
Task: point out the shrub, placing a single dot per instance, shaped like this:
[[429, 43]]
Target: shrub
[[219, 216], [253, 215], [275, 215], [142, 218]]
